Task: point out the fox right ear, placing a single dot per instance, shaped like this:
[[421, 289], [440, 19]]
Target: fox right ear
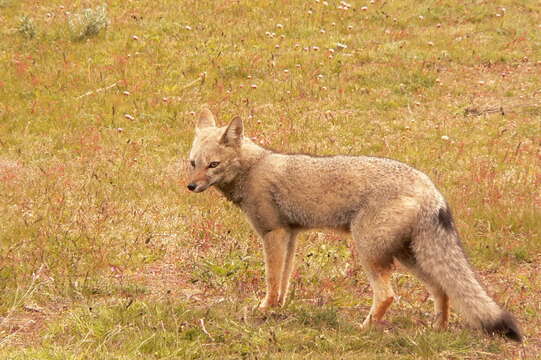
[[206, 119], [233, 133]]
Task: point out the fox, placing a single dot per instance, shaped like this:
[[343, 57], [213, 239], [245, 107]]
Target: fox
[[393, 212]]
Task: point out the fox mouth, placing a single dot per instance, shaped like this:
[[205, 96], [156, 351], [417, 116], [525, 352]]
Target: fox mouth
[[199, 188]]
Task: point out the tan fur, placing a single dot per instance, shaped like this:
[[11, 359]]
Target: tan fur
[[393, 211]]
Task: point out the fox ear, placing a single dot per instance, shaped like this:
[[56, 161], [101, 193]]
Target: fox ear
[[234, 133], [206, 119]]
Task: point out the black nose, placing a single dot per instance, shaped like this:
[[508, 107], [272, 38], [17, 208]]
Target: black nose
[[192, 187]]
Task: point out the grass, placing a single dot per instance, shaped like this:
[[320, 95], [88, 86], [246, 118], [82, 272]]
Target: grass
[[105, 254]]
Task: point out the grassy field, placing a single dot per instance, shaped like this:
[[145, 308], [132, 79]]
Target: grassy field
[[104, 254]]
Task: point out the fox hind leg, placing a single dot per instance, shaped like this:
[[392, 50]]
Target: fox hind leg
[[371, 249], [377, 237], [441, 299], [380, 281]]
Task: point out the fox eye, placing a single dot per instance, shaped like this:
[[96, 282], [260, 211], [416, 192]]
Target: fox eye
[[193, 163], [213, 164]]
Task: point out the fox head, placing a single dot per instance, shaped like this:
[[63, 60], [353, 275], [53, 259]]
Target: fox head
[[215, 153]]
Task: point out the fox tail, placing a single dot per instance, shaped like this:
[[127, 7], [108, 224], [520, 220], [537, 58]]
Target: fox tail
[[438, 252]]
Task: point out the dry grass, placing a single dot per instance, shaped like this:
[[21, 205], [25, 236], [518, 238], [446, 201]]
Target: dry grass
[[103, 251]]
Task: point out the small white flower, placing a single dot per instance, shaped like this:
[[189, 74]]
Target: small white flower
[[126, 92], [129, 117], [188, 27], [341, 46], [364, 8], [279, 26], [135, 37], [445, 138]]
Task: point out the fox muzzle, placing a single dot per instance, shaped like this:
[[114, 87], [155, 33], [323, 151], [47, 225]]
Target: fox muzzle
[[198, 186]]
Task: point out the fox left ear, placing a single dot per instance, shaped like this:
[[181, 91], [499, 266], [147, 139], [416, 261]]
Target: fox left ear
[[234, 133], [205, 119]]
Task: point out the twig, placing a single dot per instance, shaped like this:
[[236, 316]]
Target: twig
[[202, 322], [97, 91], [201, 78], [6, 338], [478, 111]]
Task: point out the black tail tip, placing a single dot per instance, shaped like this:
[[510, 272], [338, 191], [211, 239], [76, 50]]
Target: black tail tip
[[505, 326]]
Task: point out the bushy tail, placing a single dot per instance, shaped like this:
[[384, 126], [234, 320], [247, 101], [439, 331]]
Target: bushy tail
[[438, 252]]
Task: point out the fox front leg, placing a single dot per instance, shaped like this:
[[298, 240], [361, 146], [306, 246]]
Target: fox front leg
[[275, 245], [288, 268]]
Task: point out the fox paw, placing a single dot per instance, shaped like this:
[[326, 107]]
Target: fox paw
[[376, 324], [267, 304]]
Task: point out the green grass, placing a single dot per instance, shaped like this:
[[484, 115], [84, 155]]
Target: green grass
[[103, 250]]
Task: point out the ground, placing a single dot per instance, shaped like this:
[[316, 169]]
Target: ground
[[105, 254]]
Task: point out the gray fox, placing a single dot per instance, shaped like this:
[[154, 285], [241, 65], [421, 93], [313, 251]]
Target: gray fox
[[393, 212]]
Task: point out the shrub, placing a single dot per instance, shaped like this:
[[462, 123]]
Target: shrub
[[88, 23]]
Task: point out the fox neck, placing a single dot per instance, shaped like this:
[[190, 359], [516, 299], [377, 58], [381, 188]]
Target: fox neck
[[250, 155]]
